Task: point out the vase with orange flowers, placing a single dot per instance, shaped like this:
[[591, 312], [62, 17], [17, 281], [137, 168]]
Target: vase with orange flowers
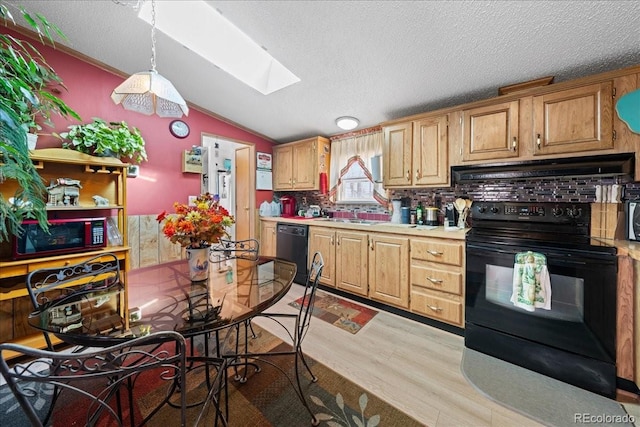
[[196, 227]]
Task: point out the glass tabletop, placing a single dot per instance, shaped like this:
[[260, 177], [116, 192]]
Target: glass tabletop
[[163, 298]]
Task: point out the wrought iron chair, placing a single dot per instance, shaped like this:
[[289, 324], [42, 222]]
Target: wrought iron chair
[[92, 379], [231, 249], [296, 331], [227, 250], [71, 287]]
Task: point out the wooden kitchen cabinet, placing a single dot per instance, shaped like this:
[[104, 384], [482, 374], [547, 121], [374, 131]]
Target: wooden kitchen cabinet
[[102, 176], [437, 279], [388, 269], [297, 165], [352, 257], [415, 153], [268, 238], [323, 240], [490, 132], [573, 120]]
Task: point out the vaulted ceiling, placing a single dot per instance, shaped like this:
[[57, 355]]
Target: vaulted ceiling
[[375, 60]]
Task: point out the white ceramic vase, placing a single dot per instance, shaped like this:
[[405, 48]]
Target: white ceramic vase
[[198, 260]]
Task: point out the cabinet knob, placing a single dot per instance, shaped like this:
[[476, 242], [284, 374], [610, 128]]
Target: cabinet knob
[[417, 174], [514, 144], [408, 175], [538, 142], [331, 240]]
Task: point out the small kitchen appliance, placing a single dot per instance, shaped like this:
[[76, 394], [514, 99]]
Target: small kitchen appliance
[[430, 216], [633, 219], [288, 206], [396, 215]]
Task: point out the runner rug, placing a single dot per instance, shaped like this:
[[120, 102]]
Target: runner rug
[[339, 312], [266, 399]]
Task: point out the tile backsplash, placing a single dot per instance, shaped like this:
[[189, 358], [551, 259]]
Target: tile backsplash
[[577, 190]]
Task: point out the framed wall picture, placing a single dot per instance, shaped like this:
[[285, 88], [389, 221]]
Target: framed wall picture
[[263, 161]]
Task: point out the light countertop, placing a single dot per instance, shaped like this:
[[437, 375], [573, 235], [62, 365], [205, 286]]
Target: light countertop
[[383, 227]]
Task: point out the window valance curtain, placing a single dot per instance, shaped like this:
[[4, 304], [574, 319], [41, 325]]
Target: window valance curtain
[[361, 149]]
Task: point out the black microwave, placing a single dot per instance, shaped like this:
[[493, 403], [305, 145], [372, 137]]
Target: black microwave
[[64, 236]]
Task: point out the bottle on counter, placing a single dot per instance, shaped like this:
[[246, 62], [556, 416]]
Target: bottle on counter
[[419, 214]]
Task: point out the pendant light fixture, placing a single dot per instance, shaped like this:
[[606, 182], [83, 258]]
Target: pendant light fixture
[[147, 92]]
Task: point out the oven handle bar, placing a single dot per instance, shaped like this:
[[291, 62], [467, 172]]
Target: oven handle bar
[[557, 257]]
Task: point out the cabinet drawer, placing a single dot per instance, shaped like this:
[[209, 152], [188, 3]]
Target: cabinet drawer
[[436, 307], [437, 251], [441, 280]]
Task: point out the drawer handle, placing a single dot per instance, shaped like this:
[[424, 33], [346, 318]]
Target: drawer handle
[[434, 308], [432, 280], [435, 253], [514, 145], [538, 141], [408, 175], [331, 240]]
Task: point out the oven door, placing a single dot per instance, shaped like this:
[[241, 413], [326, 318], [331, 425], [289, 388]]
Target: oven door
[[582, 318]]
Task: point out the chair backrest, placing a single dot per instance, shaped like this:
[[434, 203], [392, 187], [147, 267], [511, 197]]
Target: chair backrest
[[232, 249], [309, 295], [88, 381], [66, 286]]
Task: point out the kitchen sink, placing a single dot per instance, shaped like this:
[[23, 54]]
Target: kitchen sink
[[353, 221]]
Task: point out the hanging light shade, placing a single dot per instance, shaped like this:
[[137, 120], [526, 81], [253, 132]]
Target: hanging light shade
[[147, 92]]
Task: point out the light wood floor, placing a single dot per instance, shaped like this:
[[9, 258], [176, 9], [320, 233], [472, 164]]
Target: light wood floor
[[412, 366]]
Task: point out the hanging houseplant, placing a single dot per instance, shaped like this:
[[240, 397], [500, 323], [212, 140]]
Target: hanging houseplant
[[24, 81]]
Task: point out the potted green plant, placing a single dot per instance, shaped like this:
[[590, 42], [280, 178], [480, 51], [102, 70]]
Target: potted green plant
[[101, 138], [24, 77]]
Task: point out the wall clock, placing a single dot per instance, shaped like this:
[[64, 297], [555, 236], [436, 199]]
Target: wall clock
[[179, 129]]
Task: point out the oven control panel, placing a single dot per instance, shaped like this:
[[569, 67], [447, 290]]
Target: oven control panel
[[533, 212]]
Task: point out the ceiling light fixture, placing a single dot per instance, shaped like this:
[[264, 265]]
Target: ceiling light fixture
[[347, 122], [148, 92]]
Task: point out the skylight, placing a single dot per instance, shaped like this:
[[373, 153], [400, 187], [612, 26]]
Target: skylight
[[206, 32]]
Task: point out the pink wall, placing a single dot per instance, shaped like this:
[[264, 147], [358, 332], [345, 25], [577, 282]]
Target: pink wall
[[161, 181]]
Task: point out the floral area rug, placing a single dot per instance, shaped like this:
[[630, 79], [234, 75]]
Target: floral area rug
[[344, 314], [266, 399]]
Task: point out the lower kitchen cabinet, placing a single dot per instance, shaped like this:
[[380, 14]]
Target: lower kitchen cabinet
[[423, 275], [352, 261], [437, 279], [323, 240], [268, 238], [388, 269]]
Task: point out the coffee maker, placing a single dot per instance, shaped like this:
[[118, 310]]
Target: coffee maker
[[288, 206]]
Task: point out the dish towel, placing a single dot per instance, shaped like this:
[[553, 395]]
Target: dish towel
[[531, 283]]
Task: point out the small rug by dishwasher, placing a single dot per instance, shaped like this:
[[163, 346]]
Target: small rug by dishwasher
[[544, 399], [344, 314]]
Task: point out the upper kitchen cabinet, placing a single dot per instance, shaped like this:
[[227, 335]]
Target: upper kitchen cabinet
[[297, 165], [490, 132], [416, 153], [573, 120]]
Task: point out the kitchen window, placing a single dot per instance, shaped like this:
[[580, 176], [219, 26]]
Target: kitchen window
[[351, 180], [355, 186]]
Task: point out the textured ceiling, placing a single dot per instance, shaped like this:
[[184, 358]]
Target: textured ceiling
[[376, 60]]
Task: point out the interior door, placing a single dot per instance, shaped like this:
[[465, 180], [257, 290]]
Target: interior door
[[245, 191]]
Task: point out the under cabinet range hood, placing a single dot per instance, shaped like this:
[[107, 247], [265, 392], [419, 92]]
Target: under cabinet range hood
[[590, 166]]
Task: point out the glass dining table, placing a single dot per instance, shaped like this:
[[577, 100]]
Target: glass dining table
[[163, 298]]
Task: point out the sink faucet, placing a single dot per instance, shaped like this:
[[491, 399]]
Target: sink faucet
[[355, 214]]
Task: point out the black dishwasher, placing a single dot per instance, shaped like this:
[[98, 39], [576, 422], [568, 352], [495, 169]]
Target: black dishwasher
[[291, 244]]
